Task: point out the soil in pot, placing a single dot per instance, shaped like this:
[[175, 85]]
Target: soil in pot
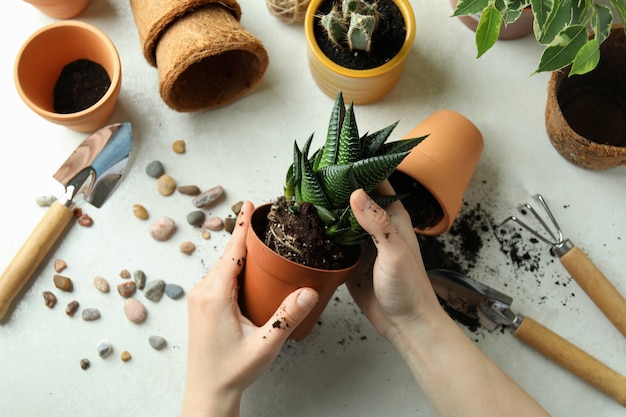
[[423, 208], [81, 84], [387, 39]]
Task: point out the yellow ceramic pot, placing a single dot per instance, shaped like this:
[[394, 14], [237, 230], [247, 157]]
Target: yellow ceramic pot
[[44, 55], [359, 86], [60, 9]]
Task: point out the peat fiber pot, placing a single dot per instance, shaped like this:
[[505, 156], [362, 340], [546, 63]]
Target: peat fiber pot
[[359, 86], [47, 52], [443, 164], [586, 114], [60, 9], [268, 278], [520, 28]]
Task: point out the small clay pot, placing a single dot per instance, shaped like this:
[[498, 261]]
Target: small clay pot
[[443, 164], [586, 114], [520, 28], [359, 86], [60, 9], [44, 55], [268, 278]]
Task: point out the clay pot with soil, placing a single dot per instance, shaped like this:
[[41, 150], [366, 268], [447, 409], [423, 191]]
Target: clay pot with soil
[[70, 74], [586, 114], [435, 174], [368, 67], [309, 236]]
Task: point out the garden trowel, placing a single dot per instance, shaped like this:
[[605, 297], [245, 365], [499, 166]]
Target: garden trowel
[[89, 174], [491, 308]]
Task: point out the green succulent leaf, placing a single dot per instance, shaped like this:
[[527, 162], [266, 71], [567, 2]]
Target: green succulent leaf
[[469, 7], [586, 59], [401, 145], [331, 146], [311, 189], [338, 182], [563, 50], [372, 171], [325, 215], [488, 30], [373, 142], [349, 149]]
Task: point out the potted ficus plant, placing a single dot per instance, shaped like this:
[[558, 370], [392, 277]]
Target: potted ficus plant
[[561, 26], [309, 236], [358, 46]]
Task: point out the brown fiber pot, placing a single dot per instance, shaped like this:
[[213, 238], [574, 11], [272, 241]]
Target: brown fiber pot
[[444, 162], [268, 278], [586, 114]]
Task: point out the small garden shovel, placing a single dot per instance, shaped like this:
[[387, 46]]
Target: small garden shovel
[[490, 308]]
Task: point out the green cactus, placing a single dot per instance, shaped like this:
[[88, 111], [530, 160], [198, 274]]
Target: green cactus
[[344, 163], [352, 24]]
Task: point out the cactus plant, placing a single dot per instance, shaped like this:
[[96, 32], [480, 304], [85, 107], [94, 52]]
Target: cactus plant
[[325, 179], [352, 24]]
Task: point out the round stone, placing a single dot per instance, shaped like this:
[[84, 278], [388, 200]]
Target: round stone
[[155, 169], [63, 283], [101, 284], [174, 291], [189, 189], [140, 279], [179, 146], [209, 197], [104, 349], [187, 247], [154, 290], [157, 342], [135, 311], [166, 185], [163, 228], [91, 314], [127, 289], [140, 212], [214, 224], [45, 200], [125, 356], [196, 218]]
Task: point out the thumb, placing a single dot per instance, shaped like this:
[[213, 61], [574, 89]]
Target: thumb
[[376, 221], [292, 311]]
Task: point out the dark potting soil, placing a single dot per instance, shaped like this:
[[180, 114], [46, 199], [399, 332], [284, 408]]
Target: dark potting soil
[[421, 205], [79, 86], [387, 39]]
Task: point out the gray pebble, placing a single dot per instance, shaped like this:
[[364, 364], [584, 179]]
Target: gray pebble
[[104, 349], [157, 342], [45, 200], [196, 218], [91, 314], [155, 169], [192, 190], [174, 291], [154, 290], [140, 279]]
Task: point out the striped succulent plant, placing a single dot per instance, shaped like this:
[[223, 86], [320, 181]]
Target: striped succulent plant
[[344, 163]]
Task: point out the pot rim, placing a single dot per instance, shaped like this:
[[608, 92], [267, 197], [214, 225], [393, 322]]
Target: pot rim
[[398, 59]]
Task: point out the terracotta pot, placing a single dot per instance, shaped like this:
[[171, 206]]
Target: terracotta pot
[[443, 163], [586, 114], [60, 9], [268, 278], [359, 86], [46, 52], [518, 29]]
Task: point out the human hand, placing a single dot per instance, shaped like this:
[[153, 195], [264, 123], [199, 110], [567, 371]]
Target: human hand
[[226, 351], [395, 289]]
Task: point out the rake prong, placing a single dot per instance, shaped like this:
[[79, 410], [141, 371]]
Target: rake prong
[[552, 218], [545, 226], [530, 229]]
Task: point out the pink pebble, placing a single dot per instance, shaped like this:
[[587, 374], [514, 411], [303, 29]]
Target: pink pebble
[[135, 311]]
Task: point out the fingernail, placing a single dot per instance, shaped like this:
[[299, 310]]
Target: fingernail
[[307, 299]]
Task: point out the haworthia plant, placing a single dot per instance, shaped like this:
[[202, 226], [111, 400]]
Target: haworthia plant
[[344, 163], [561, 26]]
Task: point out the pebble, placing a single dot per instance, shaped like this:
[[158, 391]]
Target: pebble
[[140, 279], [91, 314], [179, 146], [163, 228], [125, 356], [49, 299], [127, 289], [84, 364], [229, 224], [59, 265], [187, 247], [140, 212], [155, 169], [125, 273], [154, 290], [214, 224], [205, 234], [101, 284], [189, 189], [135, 311], [174, 291], [63, 283], [196, 218], [104, 349], [236, 208], [166, 185], [85, 220], [208, 197], [45, 200], [71, 308], [157, 342]]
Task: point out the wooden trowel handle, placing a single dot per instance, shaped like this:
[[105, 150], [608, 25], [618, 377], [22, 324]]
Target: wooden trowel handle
[[573, 359], [32, 253], [597, 286]]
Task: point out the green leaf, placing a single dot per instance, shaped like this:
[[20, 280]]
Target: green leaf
[[511, 10], [338, 182], [329, 155], [402, 145], [371, 143], [563, 50], [469, 7], [349, 149], [372, 171], [602, 23], [620, 6], [488, 30], [559, 18], [325, 215], [541, 13], [579, 10], [586, 59], [311, 189]]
